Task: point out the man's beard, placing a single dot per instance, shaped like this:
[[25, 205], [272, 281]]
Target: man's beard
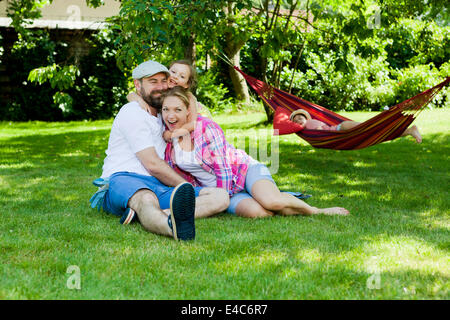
[[155, 102]]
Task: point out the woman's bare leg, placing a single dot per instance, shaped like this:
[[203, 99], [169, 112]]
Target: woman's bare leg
[[267, 194], [250, 208], [345, 125]]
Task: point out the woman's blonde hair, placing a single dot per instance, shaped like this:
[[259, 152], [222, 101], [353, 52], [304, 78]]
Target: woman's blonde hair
[[180, 93], [192, 81]]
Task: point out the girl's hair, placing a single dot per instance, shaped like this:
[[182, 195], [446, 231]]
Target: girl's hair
[[180, 93], [192, 81]]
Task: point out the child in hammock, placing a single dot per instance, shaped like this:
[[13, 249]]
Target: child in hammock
[[303, 118], [182, 74]]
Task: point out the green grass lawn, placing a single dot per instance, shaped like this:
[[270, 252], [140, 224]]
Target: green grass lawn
[[394, 245]]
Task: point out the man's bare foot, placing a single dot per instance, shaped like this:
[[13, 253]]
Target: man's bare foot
[[414, 131], [333, 211]]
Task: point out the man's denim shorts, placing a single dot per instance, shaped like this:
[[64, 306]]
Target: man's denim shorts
[[123, 185], [255, 172]]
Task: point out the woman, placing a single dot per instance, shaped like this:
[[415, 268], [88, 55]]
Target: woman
[[213, 162], [303, 118]]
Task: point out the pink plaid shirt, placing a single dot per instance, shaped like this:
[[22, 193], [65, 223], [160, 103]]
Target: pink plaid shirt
[[216, 156]]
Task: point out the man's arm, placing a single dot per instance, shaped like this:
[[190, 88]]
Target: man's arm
[[158, 167]]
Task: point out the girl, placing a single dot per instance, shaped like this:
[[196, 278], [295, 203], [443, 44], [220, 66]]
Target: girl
[[182, 74], [213, 162]]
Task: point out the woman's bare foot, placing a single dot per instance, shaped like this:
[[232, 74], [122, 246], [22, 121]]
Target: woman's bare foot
[[414, 132], [333, 211]]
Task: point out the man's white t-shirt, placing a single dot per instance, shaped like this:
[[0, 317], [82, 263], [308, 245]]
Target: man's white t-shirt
[[133, 130]]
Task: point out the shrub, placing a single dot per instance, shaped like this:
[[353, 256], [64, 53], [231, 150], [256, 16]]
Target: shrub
[[102, 87], [211, 93], [416, 79], [96, 90], [403, 61], [30, 101]]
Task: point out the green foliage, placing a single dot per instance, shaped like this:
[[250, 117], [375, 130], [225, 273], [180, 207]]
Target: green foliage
[[29, 100], [102, 87], [211, 93], [64, 102], [149, 28], [392, 65], [418, 78], [23, 12], [393, 10], [59, 77], [361, 55], [94, 88], [416, 42]]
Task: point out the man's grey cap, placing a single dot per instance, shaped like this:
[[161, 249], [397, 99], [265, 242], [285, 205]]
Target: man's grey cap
[[148, 69]]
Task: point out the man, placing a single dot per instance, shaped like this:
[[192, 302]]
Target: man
[[140, 181]]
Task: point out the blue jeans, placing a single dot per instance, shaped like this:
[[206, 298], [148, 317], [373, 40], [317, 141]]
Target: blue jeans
[[123, 185]]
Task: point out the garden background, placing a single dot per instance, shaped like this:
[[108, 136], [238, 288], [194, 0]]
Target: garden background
[[352, 57]]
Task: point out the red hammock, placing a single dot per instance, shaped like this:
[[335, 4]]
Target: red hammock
[[385, 126]]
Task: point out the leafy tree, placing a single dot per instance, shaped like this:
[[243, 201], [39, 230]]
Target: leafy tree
[[321, 46], [167, 30], [61, 75], [69, 87]]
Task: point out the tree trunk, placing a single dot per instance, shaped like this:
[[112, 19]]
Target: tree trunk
[[239, 83], [190, 51], [262, 68], [233, 52]]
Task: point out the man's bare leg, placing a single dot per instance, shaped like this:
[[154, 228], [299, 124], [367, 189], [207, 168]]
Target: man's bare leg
[[146, 205], [210, 202]]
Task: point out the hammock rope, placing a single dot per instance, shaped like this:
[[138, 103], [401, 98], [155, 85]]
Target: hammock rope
[[385, 126]]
